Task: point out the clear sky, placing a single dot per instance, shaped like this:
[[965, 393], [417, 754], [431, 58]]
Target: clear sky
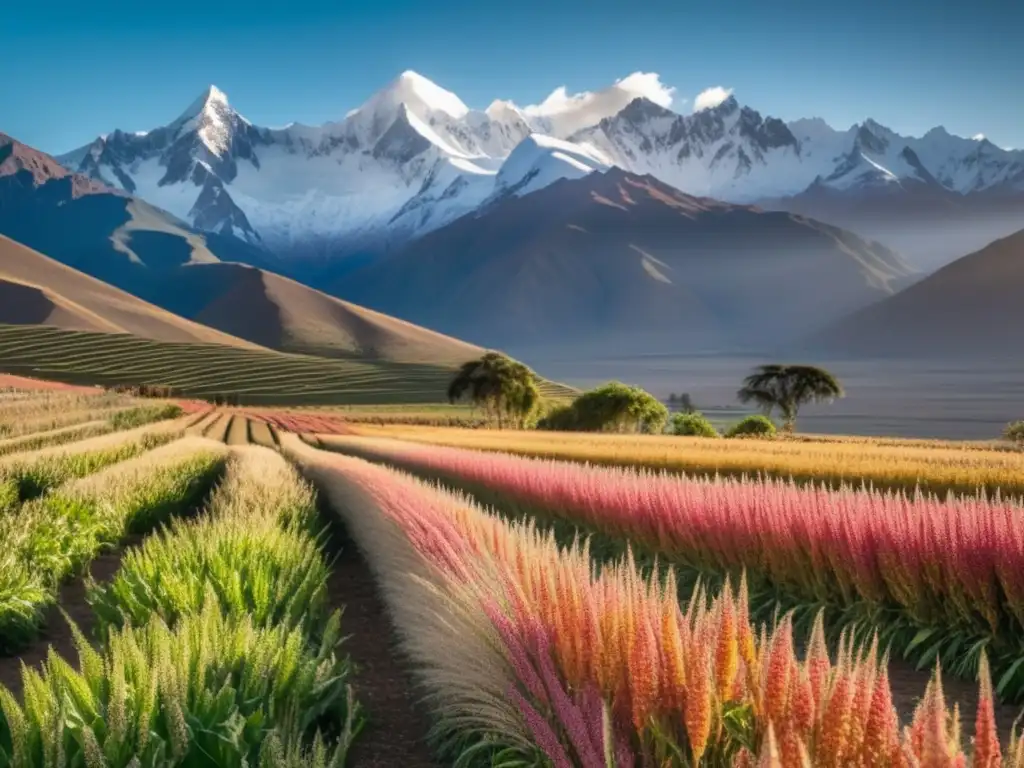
[[73, 69]]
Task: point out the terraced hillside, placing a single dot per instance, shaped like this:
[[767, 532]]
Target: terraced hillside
[[248, 376]]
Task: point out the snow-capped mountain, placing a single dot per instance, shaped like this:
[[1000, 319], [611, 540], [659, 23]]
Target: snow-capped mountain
[[732, 153], [540, 160], [410, 159], [414, 157]]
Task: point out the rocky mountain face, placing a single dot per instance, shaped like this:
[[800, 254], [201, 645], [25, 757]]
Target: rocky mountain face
[[629, 262], [414, 157], [102, 231]]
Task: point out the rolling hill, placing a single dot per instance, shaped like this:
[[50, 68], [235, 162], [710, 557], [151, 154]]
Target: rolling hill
[[36, 290], [250, 376], [279, 313], [627, 262], [970, 308]]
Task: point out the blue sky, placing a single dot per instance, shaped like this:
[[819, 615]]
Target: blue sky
[[74, 70]]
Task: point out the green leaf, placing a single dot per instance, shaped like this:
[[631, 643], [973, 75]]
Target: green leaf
[[919, 638], [1008, 676]]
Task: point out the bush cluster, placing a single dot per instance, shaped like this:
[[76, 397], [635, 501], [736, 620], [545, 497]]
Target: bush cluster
[[612, 407], [753, 426]]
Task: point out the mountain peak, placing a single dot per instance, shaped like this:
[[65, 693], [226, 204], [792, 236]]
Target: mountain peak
[[726, 106], [641, 108], [418, 93], [883, 132], [212, 118], [211, 99], [500, 110]]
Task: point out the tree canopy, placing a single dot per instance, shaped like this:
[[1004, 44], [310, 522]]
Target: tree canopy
[[505, 388], [612, 407], [787, 388]]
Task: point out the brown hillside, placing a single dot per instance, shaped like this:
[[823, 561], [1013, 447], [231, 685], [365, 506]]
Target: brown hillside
[[617, 257], [38, 290], [972, 307], [20, 159], [280, 313]]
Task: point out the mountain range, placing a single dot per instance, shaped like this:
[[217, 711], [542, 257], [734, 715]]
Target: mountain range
[[414, 158], [610, 223]]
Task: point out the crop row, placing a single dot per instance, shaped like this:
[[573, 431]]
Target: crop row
[[216, 646], [938, 579], [24, 404], [530, 657], [57, 414], [42, 542], [938, 468], [121, 419], [30, 475], [59, 436], [205, 370]]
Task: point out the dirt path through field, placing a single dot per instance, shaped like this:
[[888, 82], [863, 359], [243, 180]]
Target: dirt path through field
[[58, 632], [396, 729]]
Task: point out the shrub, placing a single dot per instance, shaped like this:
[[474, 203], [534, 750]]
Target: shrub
[[612, 407], [1014, 432], [692, 424], [752, 426], [161, 391], [561, 418]]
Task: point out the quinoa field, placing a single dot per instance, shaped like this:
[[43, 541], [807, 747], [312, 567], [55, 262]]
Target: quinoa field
[[185, 584], [247, 376]]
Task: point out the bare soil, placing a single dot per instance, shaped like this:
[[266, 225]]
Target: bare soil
[[396, 729]]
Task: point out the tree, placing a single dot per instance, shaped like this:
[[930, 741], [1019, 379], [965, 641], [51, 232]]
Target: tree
[[505, 388], [616, 407], [1014, 432], [788, 387], [692, 425]]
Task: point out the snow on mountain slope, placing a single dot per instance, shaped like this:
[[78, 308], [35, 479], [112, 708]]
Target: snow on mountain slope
[[541, 160], [316, 190], [414, 157], [727, 151], [953, 163]]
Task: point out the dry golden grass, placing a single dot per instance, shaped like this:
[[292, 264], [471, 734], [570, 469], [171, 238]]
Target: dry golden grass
[[935, 466]]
